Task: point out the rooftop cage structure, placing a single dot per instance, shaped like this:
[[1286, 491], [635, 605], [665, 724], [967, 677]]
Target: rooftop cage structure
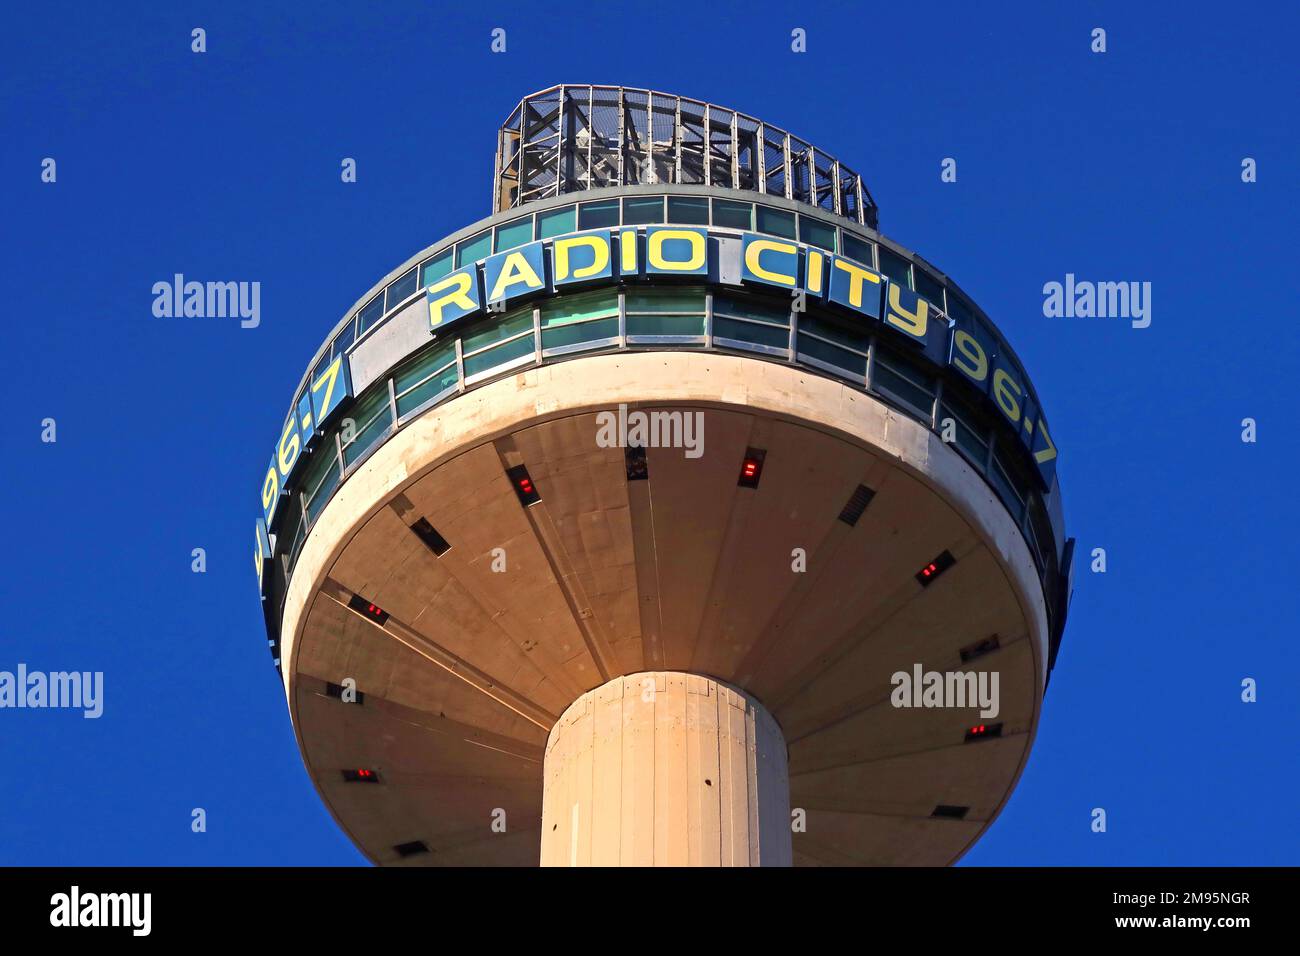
[[568, 139]]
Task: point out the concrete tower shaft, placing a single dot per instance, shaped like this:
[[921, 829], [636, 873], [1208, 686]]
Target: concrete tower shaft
[[667, 769]]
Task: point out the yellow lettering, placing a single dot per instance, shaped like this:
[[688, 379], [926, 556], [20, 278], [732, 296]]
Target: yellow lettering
[[1005, 391], [913, 323], [814, 271], [270, 488], [627, 247], [858, 275], [599, 246], [459, 284], [973, 352], [1044, 455], [515, 270], [754, 259], [655, 250]]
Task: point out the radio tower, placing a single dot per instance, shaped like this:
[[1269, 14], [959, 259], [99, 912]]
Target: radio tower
[[658, 517]]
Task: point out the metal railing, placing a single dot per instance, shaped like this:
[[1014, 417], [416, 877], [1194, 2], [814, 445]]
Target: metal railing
[[568, 139]]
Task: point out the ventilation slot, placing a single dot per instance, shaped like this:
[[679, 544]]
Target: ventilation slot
[[429, 535], [414, 848], [979, 649], [336, 691], [634, 458], [950, 813], [858, 502]]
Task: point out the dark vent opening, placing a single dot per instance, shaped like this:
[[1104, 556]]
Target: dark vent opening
[[947, 812], [429, 535], [979, 648], [857, 504], [634, 458], [413, 848], [336, 691]]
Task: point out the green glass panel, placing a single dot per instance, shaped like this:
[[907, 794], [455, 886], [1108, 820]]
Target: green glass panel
[[557, 222], [514, 234], [373, 416], [500, 355], [420, 368], [322, 476], [665, 325], [896, 267], [598, 215], [775, 222], [859, 250], [578, 308], [435, 268], [747, 309], [889, 380], [852, 364], [400, 288], [370, 313], [437, 383], [582, 332], [749, 332], [836, 333], [817, 233], [474, 249], [690, 210], [511, 324], [429, 375], [665, 300], [643, 210], [928, 286], [733, 215], [966, 438]]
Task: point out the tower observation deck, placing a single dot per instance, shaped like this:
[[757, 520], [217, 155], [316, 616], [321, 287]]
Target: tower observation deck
[[671, 514]]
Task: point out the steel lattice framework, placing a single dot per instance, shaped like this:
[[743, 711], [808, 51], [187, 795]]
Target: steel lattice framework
[[567, 139]]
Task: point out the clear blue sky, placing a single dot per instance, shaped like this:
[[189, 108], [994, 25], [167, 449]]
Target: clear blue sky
[[1120, 166]]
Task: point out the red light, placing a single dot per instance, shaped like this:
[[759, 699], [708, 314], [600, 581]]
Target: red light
[[980, 731], [370, 610], [523, 485], [751, 467], [933, 569]]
